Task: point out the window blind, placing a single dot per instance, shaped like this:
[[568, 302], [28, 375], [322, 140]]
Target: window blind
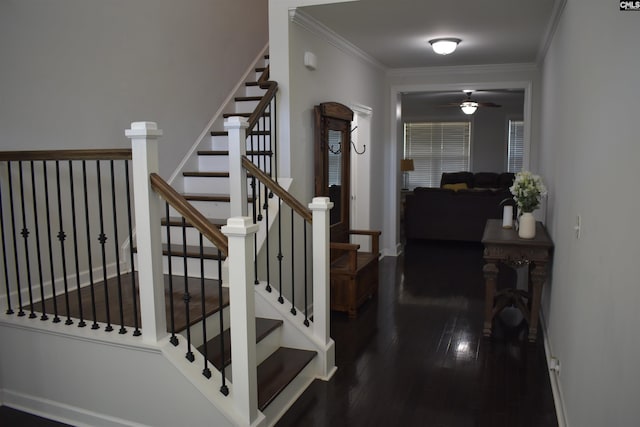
[[335, 158], [436, 147], [516, 145]]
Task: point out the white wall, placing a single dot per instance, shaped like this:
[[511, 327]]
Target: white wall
[[588, 156], [76, 73], [117, 383], [342, 77]]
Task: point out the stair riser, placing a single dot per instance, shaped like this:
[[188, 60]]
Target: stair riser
[[290, 394], [268, 345], [193, 267], [213, 163], [209, 209], [265, 348], [193, 236], [262, 123], [213, 328], [254, 91], [245, 106], [206, 185], [221, 143]]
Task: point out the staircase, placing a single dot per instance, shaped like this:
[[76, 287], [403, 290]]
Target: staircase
[[282, 371], [222, 303]]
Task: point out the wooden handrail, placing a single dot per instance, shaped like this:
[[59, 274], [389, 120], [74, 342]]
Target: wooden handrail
[[272, 88], [191, 214], [303, 211], [104, 154]]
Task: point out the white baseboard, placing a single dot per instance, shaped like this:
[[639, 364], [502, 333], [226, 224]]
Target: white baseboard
[[558, 398]]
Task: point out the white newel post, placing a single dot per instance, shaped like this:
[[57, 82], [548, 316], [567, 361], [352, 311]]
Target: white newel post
[[237, 129], [320, 206], [144, 145], [240, 231]]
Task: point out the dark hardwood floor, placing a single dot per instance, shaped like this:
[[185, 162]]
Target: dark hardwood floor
[[415, 356], [10, 417]]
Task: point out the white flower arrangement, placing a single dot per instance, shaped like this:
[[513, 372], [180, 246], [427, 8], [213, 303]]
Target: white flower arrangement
[[527, 189]]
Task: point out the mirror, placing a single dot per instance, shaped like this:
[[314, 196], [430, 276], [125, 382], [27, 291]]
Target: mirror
[[332, 156]]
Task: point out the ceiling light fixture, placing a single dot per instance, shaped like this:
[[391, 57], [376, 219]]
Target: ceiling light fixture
[[469, 107], [444, 46]]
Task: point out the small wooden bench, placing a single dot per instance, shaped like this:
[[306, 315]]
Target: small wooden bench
[[354, 273]]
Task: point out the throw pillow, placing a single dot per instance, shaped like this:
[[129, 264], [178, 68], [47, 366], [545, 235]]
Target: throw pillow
[[456, 187]]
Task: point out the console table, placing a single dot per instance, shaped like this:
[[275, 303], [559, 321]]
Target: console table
[[504, 245]]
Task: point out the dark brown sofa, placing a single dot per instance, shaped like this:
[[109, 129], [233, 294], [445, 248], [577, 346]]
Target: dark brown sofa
[[445, 214]]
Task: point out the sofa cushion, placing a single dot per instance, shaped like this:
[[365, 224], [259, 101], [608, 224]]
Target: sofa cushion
[[505, 180], [456, 177], [455, 187], [486, 180]]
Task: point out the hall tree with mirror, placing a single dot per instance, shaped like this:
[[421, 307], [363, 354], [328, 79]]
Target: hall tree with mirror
[[354, 272]]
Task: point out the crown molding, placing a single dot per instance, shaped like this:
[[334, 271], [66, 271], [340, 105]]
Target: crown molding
[[552, 26], [462, 70], [316, 27]]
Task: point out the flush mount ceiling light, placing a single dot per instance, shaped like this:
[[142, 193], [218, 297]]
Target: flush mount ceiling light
[[444, 46]]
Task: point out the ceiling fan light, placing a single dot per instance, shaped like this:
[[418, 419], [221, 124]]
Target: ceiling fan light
[[444, 46], [469, 107]]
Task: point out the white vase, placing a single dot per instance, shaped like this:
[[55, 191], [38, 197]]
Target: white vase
[[527, 226]]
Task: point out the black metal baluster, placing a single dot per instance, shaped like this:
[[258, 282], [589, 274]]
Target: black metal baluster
[[273, 139], [85, 189], [206, 371], [280, 256], [223, 388], [15, 241], [262, 126], [186, 297], [293, 266], [116, 245], [306, 275], [134, 294], [255, 235], [102, 238], [174, 339], [56, 319], [82, 323], [268, 249], [4, 255], [38, 251], [25, 235], [62, 237]]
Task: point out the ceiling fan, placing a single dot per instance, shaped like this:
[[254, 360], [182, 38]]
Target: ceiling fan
[[469, 106]]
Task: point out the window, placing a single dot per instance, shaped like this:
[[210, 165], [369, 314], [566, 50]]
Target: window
[[516, 146], [436, 147]]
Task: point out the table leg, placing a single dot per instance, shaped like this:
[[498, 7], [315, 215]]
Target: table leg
[[538, 277], [490, 271]]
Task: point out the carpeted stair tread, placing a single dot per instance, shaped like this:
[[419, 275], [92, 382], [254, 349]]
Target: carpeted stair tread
[[278, 370], [263, 328]]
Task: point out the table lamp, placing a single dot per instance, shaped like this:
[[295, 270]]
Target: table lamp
[[406, 166]]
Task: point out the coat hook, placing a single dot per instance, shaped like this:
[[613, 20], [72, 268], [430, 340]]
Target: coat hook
[[364, 146]]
